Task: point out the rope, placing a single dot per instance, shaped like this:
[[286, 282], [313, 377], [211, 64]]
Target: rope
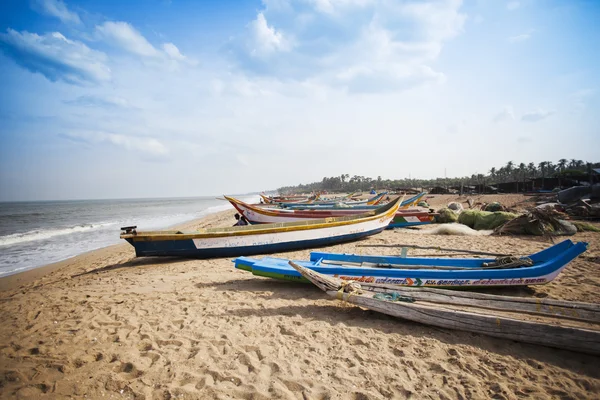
[[510, 262], [349, 287]]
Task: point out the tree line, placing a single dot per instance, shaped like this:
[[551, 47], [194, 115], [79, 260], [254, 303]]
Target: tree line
[[511, 172]]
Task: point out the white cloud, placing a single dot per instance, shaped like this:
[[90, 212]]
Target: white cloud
[[56, 8], [127, 37], [506, 114], [145, 145], [265, 39], [56, 57], [537, 115], [331, 6], [519, 38], [99, 101], [173, 52], [512, 5], [369, 46]]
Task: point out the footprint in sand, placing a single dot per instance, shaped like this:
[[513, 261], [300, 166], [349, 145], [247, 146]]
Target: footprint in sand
[[164, 343]]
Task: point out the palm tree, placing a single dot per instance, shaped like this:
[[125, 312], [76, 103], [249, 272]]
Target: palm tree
[[572, 163], [509, 168], [562, 163], [493, 173], [501, 173], [545, 167], [531, 169], [522, 168]]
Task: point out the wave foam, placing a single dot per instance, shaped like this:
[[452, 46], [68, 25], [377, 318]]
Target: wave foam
[[31, 236]]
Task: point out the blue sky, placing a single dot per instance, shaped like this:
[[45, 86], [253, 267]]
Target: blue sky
[[162, 98]]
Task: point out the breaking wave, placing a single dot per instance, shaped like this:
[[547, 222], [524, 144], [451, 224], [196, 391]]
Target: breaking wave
[[43, 234]]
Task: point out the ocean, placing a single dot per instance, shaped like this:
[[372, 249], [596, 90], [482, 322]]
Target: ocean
[[33, 234]]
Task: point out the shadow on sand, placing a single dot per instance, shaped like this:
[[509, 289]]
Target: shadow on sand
[[350, 315], [134, 262]]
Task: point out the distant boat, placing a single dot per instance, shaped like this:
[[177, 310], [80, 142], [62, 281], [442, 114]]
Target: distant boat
[[371, 201], [259, 239], [261, 215], [359, 206], [538, 268]]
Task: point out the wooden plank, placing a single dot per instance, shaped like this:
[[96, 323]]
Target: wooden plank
[[557, 308], [578, 339], [575, 339]]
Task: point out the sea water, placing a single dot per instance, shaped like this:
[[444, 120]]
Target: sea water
[[33, 234]]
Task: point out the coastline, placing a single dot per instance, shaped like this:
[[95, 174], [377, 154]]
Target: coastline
[[20, 278], [108, 324]]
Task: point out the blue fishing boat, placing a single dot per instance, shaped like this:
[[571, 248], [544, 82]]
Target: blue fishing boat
[[537, 269]]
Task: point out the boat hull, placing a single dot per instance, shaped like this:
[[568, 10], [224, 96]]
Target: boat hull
[[548, 264], [187, 248], [262, 239], [261, 215], [403, 219]]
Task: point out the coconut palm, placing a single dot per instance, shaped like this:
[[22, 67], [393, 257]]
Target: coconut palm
[[493, 173], [562, 163], [531, 169], [522, 169]]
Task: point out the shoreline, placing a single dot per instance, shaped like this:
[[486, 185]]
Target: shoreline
[[8, 282]]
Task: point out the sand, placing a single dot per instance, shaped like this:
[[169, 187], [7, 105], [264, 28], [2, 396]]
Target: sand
[[108, 325]]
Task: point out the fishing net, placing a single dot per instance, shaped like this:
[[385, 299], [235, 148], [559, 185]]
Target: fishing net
[[585, 227], [539, 222], [493, 207], [484, 220], [454, 206], [446, 216], [423, 204]]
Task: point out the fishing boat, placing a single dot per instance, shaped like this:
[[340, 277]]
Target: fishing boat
[[371, 201], [260, 215], [412, 217], [316, 206], [537, 269], [561, 324], [259, 239], [290, 199]]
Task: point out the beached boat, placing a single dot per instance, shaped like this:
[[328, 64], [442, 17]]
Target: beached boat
[[260, 215], [316, 206], [561, 324], [373, 201], [259, 239], [291, 199], [537, 269], [412, 217]]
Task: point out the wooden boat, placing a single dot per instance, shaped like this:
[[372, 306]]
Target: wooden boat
[[291, 199], [261, 215], [373, 201], [316, 206], [566, 325], [537, 269], [259, 239], [412, 217]]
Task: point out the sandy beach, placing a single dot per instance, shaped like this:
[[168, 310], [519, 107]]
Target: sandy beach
[[108, 325]]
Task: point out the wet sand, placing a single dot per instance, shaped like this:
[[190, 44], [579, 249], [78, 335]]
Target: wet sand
[[107, 325]]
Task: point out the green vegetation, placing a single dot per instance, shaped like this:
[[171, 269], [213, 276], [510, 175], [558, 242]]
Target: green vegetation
[[511, 172]]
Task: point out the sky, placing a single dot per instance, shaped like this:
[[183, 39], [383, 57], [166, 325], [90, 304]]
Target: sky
[[157, 98]]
